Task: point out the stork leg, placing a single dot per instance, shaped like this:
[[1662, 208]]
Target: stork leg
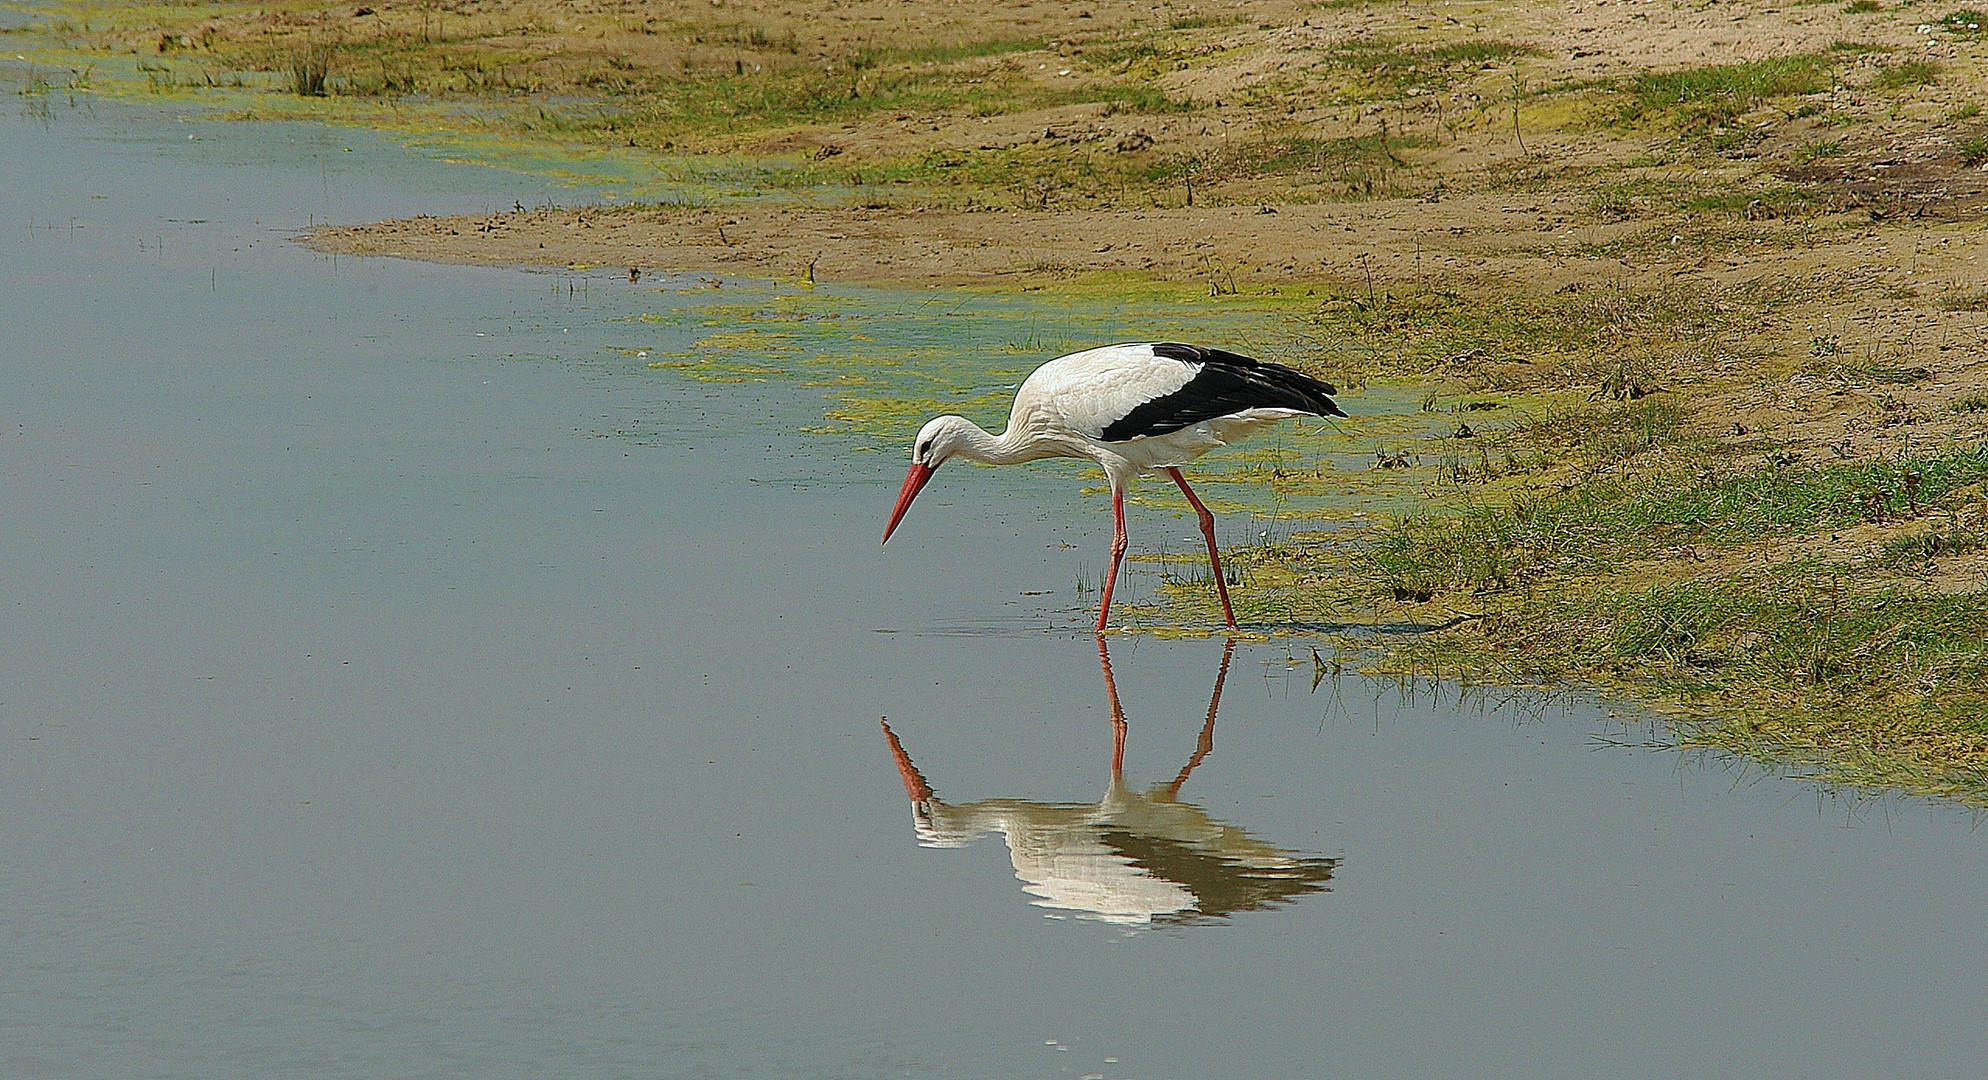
[[1214, 556], [1118, 544]]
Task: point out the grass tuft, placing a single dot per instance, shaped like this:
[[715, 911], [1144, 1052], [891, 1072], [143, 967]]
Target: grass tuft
[[1907, 75], [310, 68], [1963, 22]]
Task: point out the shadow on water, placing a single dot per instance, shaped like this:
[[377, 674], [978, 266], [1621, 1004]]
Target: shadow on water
[[1132, 858]]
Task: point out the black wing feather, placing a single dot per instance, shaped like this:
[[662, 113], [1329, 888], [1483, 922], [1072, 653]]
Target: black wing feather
[[1227, 383]]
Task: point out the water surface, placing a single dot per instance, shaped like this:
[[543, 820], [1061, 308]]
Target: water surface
[[400, 677]]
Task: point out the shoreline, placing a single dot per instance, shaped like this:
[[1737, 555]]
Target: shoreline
[[1729, 254]]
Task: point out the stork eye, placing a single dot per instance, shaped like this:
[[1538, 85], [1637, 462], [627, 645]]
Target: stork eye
[[923, 449]]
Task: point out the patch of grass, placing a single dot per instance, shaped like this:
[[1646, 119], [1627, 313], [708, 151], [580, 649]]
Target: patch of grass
[[1700, 99], [1354, 164], [310, 67], [1574, 339], [1907, 75], [1617, 200], [1803, 661], [1862, 7], [1197, 21], [1963, 22], [1599, 526], [1639, 196], [1973, 150], [1971, 403], [1872, 366], [1963, 534], [1967, 301], [1381, 68]]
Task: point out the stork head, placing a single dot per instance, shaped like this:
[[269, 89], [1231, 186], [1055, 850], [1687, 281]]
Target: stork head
[[937, 441]]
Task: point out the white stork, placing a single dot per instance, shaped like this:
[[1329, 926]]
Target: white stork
[[1135, 409]]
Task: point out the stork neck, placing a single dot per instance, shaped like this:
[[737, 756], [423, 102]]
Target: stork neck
[[1004, 449]]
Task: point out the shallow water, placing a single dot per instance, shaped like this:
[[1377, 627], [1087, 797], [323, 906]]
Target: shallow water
[[399, 677]]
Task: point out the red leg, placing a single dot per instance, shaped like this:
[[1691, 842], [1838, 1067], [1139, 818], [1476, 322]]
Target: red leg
[[1118, 544], [1214, 556]]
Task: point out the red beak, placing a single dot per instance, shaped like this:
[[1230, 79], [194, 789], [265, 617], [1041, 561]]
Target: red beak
[[913, 481]]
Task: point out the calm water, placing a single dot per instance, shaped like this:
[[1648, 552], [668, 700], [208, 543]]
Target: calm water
[[400, 678]]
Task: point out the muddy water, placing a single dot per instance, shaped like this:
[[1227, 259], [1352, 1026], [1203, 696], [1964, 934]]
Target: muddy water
[[399, 677]]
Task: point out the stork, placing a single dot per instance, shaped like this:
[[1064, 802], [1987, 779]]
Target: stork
[[1135, 409]]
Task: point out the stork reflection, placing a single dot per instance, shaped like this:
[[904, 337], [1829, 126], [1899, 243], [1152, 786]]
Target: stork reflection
[[1131, 858]]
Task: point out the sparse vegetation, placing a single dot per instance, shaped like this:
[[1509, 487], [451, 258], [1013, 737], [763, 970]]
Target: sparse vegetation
[[1907, 75], [1963, 22], [1702, 99], [310, 68], [1720, 310]]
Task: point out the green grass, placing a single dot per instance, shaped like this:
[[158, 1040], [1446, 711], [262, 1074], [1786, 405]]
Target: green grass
[[1869, 367], [1963, 22], [1640, 196], [1952, 538], [1797, 657], [1973, 150], [1201, 22], [1869, 677], [1584, 333], [1598, 526], [1699, 99], [1380, 68], [1907, 75]]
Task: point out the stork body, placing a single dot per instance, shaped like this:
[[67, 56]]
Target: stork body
[[1135, 409]]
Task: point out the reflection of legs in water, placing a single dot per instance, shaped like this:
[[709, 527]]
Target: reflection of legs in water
[[1117, 715], [1214, 557], [916, 787], [1202, 746], [1207, 740], [914, 783]]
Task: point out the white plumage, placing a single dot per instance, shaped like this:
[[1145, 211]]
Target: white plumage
[[1134, 409]]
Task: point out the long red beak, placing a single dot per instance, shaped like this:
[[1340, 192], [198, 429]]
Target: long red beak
[[913, 481]]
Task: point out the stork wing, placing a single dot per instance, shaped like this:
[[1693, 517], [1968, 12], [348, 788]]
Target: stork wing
[[1223, 384]]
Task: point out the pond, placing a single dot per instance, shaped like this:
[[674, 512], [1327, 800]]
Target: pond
[[402, 677]]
